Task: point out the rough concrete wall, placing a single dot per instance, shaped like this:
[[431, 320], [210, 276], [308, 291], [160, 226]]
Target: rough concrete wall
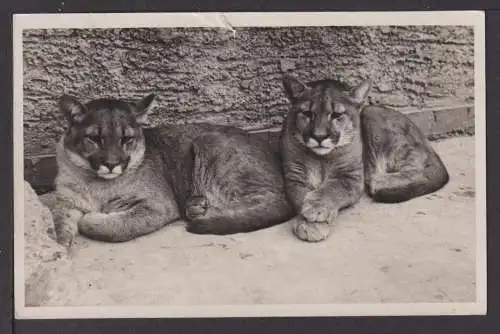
[[213, 75]]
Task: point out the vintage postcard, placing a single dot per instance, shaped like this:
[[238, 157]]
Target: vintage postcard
[[249, 164]]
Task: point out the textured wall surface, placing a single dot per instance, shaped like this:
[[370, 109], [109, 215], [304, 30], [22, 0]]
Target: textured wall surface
[[214, 75]]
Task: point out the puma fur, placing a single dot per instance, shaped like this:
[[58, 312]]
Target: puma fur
[[332, 146], [117, 180]]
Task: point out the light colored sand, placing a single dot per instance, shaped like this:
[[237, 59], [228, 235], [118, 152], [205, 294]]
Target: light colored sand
[[419, 251]]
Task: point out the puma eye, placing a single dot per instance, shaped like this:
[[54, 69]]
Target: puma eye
[[305, 116], [338, 111], [127, 140], [334, 115], [93, 138], [305, 108], [306, 113]]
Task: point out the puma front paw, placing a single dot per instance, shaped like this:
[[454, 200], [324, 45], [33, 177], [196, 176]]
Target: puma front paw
[[120, 203], [93, 222], [311, 231], [196, 207], [315, 211]]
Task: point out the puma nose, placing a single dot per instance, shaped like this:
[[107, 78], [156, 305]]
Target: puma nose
[[110, 165], [319, 137]]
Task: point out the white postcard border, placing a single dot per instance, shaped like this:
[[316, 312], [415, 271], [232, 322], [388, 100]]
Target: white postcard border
[[231, 21]]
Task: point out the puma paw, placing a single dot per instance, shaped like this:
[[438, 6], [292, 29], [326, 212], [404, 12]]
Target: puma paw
[[93, 221], [120, 203], [196, 207], [312, 231], [315, 212]]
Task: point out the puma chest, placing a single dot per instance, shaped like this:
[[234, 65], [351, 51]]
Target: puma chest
[[315, 174], [89, 194]]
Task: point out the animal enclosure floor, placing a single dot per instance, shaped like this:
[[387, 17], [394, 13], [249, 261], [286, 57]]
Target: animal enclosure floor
[[420, 251]]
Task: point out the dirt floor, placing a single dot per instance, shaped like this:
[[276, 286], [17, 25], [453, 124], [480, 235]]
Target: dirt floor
[[419, 251]]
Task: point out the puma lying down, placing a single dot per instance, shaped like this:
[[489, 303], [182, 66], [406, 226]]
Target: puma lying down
[[117, 181], [333, 147], [400, 163]]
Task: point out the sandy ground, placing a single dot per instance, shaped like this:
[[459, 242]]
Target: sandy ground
[[419, 251]]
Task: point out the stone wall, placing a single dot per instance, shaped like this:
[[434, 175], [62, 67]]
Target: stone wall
[[214, 75]]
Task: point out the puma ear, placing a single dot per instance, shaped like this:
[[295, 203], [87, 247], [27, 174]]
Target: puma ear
[[72, 108], [142, 107], [294, 88], [359, 93]]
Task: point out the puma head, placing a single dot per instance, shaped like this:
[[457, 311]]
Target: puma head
[[104, 136], [325, 113]]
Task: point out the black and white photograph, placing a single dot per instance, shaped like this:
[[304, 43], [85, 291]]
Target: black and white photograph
[[249, 164]]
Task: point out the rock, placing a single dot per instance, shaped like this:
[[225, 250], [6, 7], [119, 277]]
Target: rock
[[42, 254], [48, 199]]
